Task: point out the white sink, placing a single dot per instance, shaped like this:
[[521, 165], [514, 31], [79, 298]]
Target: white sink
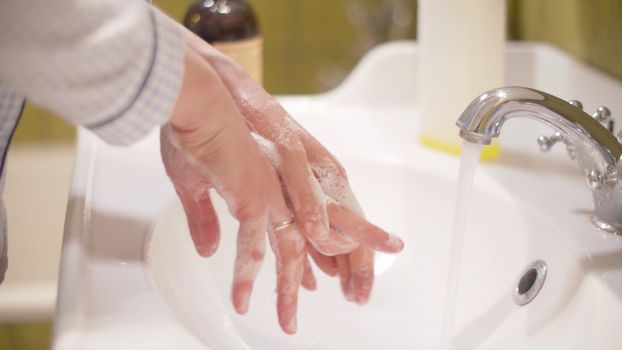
[[130, 277]]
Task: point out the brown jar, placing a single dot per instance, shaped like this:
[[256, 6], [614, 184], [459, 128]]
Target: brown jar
[[231, 27]]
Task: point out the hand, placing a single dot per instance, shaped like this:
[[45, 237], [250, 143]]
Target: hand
[[297, 156], [356, 270], [207, 144]]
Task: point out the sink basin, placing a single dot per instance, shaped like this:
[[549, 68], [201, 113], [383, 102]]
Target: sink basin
[[130, 277], [414, 199]]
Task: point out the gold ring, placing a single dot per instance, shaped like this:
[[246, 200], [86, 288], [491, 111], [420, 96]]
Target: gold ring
[[283, 225]]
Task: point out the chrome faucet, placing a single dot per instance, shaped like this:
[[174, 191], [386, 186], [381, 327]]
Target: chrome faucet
[[594, 147]]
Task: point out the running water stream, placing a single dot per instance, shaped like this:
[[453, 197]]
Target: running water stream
[[468, 163]]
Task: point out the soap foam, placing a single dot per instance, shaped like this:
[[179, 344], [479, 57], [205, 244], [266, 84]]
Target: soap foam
[[334, 183], [269, 150]]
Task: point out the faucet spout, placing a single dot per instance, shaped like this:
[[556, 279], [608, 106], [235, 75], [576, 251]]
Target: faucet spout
[[597, 150]]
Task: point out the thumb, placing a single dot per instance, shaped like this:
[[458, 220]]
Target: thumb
[[193, 190]]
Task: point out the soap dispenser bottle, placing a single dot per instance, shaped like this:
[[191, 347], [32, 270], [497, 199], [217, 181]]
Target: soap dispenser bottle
[[231, 27], [461, 55]]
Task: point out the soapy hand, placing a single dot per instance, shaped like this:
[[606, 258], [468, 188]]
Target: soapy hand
[[207, 145], [310, 175]]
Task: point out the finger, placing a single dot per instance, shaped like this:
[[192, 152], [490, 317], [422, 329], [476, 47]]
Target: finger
[[344, 220], [328, 264], [288, 244], [362, 273], [337, 243], [329, 172], [303, 191], [289, 248], [330, 244], [343, 264], [308, 279], [202, 220], [193, 190], [250, 253]]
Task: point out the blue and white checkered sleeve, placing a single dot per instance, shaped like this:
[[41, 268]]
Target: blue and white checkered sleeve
[[113, 66], [157, 93]]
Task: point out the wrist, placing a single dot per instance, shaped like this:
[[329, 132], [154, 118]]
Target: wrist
[[203, 110]]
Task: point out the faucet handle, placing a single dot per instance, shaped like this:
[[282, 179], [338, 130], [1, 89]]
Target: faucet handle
[[603, 115], [576, 103], [597, 179], [547, 142]]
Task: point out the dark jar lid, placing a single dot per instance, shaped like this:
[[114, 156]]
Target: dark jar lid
[[222, 20]]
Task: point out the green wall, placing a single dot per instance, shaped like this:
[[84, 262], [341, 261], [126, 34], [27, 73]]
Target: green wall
[[34, 336], [589, 29], [302, 39]]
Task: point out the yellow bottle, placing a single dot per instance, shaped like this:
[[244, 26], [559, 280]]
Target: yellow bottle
[[461, 54]]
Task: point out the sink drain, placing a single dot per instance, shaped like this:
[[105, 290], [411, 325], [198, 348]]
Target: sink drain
[[530, 283]]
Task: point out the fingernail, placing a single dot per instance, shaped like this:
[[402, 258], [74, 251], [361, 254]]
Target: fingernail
[[336, 244], [207, 250], [346, 288], [292, 326], [241, 298], [289, 326], [395, 243], [362, 298], [361, 301], [310, 285], [318, 229], [348, 242], [313, 285]]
